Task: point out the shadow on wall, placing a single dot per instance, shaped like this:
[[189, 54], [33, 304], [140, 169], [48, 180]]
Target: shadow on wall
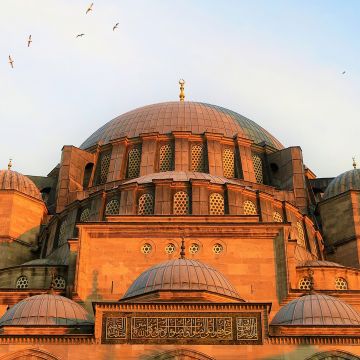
[[94, 296]]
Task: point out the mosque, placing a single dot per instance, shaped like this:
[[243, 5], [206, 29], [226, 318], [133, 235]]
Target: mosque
[[180, 230]]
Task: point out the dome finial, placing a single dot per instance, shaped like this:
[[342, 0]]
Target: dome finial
[[182, 93], [354, 162], [182, 252], [10, 164]]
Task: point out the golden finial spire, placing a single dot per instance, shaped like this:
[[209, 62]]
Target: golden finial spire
[[182, 94], [354, 162], [10, 164]]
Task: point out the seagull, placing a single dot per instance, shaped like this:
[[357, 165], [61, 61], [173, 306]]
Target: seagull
[[29, 41], [89, 8], [11, 61], [79, 35], [116, 26], [343, 72]]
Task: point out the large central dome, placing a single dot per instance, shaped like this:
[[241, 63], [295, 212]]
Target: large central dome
[[181, 116]]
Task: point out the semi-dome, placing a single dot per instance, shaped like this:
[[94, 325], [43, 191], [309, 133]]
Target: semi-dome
[[316, 309], [195, 117], [181, 274], [46, 309], [349, 180], [12, 180], [319, 263]]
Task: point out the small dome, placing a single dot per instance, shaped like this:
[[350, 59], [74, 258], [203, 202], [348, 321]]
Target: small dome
[[349, 180], [181, 176], [316, 309], [181, 274], [319, 263], [195, 117], [12, 180], [46, 309]]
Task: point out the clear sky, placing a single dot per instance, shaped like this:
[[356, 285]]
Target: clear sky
[[279, 63]]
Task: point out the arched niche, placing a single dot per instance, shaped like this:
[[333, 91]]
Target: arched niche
[[180, 354], [333, 355], [29, 354]]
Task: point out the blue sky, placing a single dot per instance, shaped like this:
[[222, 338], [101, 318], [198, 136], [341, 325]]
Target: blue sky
[[279, 63]]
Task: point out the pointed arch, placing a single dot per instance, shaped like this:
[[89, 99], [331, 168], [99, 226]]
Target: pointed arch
[[181, 354], [333, 355], [27, 354]]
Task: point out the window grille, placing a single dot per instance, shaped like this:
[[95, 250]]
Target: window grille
[[218, 248], [341, 284], [62, 232], [181, 203], [249, 208], [301, 234], [85, 215], [166, 158], [112, 207], [170, 248], [134, 161], [194, 248], [198, 158], [22, 282], [59, 282], [104, 168], [146, 248], [258, 169], [277, 217], [305, 283], [217, 205], [146, 204], [228, 163]]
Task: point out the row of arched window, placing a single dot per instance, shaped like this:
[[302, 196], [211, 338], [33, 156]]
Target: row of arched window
[[58, 282], [198, 163], [306, 283]]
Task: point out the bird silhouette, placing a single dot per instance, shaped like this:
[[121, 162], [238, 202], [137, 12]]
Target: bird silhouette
[[29, 41], [79, 35], [89, 8], [115, 26], [343, 72], [11, 61]]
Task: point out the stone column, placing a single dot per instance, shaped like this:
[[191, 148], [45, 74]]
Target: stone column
[[117, 161], [214, 153], [182, 156], [244, 146], [148, 153], [73, 250], [162, 199], [200, 197], [128, 199]]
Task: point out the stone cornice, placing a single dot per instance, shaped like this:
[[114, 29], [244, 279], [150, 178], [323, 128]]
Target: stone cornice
[[47, 339]]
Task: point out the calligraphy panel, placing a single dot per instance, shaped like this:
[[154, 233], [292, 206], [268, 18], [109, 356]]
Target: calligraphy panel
[[115, 328], [246, 328]]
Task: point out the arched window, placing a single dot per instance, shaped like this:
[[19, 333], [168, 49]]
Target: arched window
[[249, 208], [198, 158], [146, 204], [87, 174], [85, 215], [134, 161], [22, 282], [341, 284], [228, 163], [62, 232], [258, 169], [277, 217], [112, 207], [104, 168], [181, 203], [301, 234], [305, 283], [217, 204], [166, 158]]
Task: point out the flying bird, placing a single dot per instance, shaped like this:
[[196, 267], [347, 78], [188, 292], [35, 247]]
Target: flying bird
[[29, 41], [115, 26], [79, 35], [11, 61], [89, 8], [343, 72]]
